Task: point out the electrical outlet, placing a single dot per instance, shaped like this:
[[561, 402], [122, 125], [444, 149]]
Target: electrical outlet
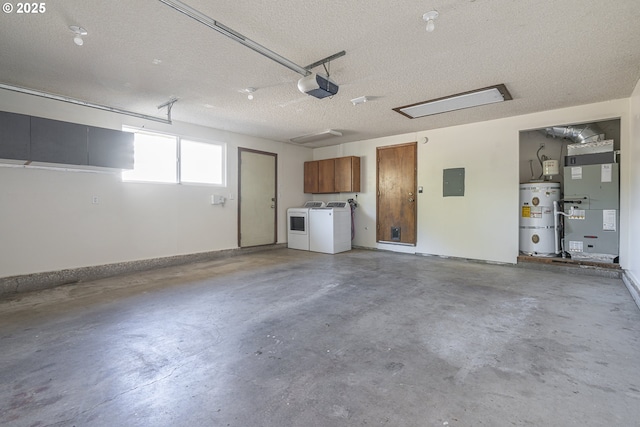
[[95, 200]]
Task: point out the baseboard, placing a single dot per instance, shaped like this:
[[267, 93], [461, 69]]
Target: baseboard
[[633, 285], [471, 260], [46, 280]]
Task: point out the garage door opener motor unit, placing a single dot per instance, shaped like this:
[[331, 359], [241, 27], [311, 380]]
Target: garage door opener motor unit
[[317, 85]]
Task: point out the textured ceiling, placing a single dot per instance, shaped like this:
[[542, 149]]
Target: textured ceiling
[[550, 54]]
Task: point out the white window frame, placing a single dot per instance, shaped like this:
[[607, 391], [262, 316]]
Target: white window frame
[[178, 160], [223, 162]]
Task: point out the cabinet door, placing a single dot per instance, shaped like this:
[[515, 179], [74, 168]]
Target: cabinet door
[[53, 141], [355, 174], [311, 177], [14, 136], [110, 148], [347, 174], [326, 176]]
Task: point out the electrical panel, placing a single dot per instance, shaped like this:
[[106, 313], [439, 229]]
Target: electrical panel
[[453, 182]]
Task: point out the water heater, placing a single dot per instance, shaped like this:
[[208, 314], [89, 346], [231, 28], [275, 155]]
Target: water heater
[[537, 230]]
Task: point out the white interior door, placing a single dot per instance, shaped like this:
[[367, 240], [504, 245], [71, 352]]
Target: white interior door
[[257, 203]]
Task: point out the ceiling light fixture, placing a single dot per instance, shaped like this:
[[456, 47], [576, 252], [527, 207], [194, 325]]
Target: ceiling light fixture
[[359, 100], [79, 32], [317, 136], [430, 17], [249, 91], [474, 98]]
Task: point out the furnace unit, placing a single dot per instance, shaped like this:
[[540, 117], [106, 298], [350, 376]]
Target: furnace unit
[[592, 202]]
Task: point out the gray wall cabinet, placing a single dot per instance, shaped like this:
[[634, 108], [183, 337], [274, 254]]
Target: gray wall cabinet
[[15, 135], [51, 141]]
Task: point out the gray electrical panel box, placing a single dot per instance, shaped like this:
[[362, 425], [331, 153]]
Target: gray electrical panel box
[[453, 182], [592, 203]]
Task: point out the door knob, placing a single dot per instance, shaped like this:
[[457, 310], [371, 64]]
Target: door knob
[[273, 206]]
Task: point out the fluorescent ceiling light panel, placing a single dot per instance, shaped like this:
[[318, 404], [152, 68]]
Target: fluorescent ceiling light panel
[[313, 137], [474, 98]]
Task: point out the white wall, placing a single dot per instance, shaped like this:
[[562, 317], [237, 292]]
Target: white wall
[[529, 144], [48, 221], [633, 183], [484, 223]]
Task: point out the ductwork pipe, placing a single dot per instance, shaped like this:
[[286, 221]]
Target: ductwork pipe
[[580, 134]]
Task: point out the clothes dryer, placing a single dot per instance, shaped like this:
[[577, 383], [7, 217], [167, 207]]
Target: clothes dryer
[[298, 225]]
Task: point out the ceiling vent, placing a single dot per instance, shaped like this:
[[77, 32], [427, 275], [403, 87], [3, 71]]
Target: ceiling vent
[[314, 137]]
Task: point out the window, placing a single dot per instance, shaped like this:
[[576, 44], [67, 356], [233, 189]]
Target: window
[[154, 158], [168, 158], [201, 162]]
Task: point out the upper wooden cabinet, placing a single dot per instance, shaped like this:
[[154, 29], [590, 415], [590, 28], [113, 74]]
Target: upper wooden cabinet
[[311, 177], [326, 176], [347, 174], [332, 175]]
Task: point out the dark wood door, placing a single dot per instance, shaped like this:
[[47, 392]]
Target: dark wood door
[[396, 194]]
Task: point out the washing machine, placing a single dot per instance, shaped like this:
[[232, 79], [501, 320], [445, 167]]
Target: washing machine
[[298, 226], [330, 228]]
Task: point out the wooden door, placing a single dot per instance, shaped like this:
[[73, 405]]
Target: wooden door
[[257, 198], [396, 194]]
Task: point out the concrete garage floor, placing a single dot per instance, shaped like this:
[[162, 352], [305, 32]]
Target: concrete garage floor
[[293, 338]]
